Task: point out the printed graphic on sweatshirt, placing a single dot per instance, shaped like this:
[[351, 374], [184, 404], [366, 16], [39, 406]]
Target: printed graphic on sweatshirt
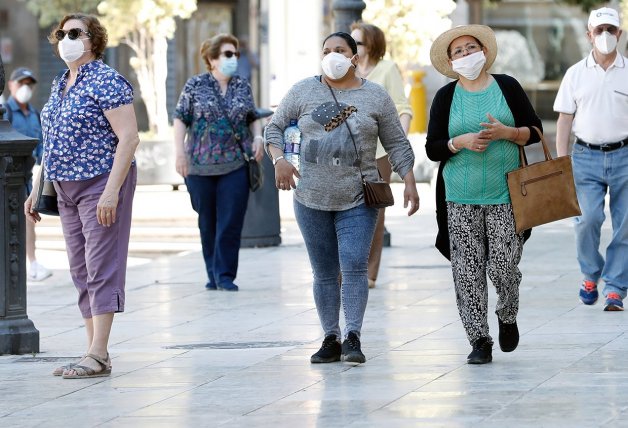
[[336, 147]]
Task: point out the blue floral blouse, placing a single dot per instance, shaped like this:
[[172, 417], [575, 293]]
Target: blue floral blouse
[[79, 142], [209, 145]]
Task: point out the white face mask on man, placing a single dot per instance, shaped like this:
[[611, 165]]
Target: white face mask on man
[[24, 94], [335, 65], [469, 66], [605, 42]]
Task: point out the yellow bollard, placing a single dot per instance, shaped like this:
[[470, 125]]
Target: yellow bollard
[[418, 102]]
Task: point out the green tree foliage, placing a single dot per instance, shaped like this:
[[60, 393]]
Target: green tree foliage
[[50, 12], [145, 26], [410, 26]]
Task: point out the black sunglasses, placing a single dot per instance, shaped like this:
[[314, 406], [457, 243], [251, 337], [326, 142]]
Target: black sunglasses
[[72, 33], [229, 54]]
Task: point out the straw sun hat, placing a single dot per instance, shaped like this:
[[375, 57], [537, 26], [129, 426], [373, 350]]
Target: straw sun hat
[[438, 52]]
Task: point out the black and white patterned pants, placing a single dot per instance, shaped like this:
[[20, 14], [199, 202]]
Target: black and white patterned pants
[[483, 238]]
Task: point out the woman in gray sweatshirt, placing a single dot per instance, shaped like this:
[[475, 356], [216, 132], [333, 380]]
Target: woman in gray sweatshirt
[[336, 225]]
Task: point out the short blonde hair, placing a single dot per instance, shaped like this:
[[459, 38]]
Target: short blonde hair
[[210, 49]]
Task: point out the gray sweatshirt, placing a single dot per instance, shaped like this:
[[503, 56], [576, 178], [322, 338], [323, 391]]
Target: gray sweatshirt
[[330, 178]]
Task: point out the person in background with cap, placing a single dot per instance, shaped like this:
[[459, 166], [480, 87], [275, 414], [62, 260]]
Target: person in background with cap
[[476, 124], [24, 118], [592, 102]]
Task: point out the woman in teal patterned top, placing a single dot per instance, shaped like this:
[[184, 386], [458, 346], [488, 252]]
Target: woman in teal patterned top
[[476, 124]]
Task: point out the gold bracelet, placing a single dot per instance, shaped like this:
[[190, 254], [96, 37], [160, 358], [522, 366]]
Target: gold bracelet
[[516, 136]]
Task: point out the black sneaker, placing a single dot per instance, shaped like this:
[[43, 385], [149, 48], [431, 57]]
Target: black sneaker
[[329, 352], [351, 351], [482, 352], [508, 336]]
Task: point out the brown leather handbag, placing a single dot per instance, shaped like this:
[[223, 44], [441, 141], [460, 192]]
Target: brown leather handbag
[[542, 192]]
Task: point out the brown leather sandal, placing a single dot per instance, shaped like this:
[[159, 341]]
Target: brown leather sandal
[[84, 372]]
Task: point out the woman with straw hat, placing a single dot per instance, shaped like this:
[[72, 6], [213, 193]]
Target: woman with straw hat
[[476, 124]]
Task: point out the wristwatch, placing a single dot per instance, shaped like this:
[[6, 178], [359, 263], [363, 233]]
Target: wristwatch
[[277, 159]]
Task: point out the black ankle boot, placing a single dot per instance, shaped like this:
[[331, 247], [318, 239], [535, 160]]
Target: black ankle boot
[[482, 352], [508, 336]]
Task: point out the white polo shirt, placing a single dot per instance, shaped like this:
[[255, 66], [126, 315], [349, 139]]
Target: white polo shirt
[[598, 98]]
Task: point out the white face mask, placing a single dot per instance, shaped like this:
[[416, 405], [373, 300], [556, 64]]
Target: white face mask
[[71, 50], [335, 65], [469, 66], [605, 42], [24, 94]]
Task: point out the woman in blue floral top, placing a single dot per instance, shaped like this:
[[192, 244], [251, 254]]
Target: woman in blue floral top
[[90, 137], [214, 110]]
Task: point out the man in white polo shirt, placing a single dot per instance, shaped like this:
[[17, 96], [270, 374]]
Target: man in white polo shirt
[[593, 103]]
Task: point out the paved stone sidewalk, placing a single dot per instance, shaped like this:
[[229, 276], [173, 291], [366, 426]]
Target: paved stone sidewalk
[[187, 357]]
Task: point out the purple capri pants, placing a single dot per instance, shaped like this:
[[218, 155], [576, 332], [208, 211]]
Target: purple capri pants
[[97, 254]]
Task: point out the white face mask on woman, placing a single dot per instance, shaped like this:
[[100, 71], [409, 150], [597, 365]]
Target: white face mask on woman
[[605, 42], [469, 66], [24, 94], [335, 65], [71, 50]]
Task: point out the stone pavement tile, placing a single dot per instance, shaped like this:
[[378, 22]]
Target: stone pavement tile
[[185, 356]]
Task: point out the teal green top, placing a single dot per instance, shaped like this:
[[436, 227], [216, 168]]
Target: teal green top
[[472, 177]]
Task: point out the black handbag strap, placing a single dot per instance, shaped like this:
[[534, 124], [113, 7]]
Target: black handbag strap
[[357, 154], [223, 110]]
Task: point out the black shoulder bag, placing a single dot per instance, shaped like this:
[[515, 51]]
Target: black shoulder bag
[[46, 199], [377, 194]]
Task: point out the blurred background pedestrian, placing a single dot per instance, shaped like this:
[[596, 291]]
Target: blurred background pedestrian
[[212, 122], [24, 118], [371, 65]]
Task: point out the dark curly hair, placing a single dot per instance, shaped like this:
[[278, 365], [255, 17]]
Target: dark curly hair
[[347, 38], [98, 33]]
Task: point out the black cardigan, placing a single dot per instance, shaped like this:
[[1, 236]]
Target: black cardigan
[[438, 136]]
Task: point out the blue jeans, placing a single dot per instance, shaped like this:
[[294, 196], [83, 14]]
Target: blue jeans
[[338, 242], [220, 201], [595, 173]]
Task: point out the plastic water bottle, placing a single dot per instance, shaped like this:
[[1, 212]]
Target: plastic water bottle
[[292, 141]]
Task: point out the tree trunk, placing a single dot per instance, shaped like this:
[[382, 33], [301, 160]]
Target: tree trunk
[[151, 67]]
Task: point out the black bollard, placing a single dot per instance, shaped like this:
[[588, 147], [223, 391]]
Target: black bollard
[[18, 334]]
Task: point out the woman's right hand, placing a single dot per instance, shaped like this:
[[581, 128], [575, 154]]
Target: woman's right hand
[[475, 142], [181, 164], [284, 175], [32, 216]]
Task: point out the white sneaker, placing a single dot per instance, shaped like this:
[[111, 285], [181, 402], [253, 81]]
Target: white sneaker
[[38, 272]]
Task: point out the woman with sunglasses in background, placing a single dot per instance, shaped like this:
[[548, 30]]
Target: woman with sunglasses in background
[[340, 116], [372, 66], [89, 137], [212, 124]]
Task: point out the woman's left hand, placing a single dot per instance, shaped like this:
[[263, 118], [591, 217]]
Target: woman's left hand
[[495, 130], [258, 149], [106, 208], [410, 194]]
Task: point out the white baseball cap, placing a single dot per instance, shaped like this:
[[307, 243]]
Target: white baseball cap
[[604, 15]]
